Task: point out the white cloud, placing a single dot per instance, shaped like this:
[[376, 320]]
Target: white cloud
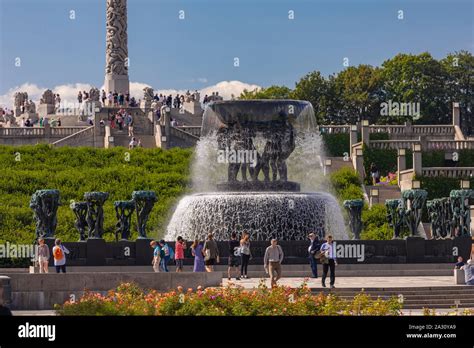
[[68, 92]]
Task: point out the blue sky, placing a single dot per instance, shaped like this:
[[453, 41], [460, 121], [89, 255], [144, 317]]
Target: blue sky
[[169, 53]]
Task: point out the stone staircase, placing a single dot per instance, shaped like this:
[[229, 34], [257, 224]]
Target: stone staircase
[[338, 163], [121, 138], [385, 192], [413, 297]]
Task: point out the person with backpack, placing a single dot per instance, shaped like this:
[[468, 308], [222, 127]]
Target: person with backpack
[[166, 255], [59, 254]]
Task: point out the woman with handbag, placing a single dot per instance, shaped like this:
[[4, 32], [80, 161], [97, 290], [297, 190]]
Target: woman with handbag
[[211, 253]]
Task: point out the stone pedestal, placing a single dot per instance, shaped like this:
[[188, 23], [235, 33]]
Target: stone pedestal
[[193, 107], [5, 291], [116, 83], [145, 105], [143, 251], [415, 249], [459, 277], [45, 109], [96, 252]]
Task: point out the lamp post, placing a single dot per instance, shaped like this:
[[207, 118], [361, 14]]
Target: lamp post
[[327, 164], [374, 196]]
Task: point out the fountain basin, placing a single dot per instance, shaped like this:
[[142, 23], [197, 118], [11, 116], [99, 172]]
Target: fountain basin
[[265, 215]]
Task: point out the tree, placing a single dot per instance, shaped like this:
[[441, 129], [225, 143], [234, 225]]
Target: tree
[[419, 79], [313, 87], [272, 92], [360, 92], [460, 69]]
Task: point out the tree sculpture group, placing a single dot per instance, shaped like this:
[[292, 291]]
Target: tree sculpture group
[[90, 213], [449, 216]]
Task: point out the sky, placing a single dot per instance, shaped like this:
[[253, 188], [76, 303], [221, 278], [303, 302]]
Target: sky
[[198, 52]]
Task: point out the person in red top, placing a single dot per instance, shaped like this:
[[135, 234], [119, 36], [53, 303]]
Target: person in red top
[[179, 253]]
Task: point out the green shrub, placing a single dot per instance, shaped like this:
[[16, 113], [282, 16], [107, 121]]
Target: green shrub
[[336, 144], [439, 187], [74, 171], [351, 192], [375, 225], [343, 178]]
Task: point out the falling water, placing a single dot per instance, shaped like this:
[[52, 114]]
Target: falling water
[[283, 215]]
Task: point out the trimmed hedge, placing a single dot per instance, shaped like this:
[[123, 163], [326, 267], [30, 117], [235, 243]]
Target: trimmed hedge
[[336, 144], [74, 171]]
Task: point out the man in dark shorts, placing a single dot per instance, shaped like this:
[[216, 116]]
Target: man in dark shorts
[[234, 256]]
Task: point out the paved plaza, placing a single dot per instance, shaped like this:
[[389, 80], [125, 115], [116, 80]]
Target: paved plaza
[[353, 282]]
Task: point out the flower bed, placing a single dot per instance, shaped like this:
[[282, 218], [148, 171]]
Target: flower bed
[[129, 299]]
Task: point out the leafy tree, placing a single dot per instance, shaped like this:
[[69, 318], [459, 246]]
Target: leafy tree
[[420, 79], [313, 87], [460, 85], [272, 92], [360, 90]]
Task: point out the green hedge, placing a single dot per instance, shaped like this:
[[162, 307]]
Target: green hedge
[[439, 187], [466, 158], [74, 171], [336, 144], [346, 183]]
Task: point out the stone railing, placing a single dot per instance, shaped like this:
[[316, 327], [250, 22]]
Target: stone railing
[[392, 144], [22, 131], [433, 129], [390, 129], [65, 131], [335, 129], [184, 136], [450, 145], [414, 130], [76, 138], [450, 172], [194, 130]]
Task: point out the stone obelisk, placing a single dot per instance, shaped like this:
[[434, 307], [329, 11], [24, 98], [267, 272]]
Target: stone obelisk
[[116, 50]]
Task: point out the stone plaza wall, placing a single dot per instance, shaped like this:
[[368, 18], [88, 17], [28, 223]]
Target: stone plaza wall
[[411, 250], [42, 291]]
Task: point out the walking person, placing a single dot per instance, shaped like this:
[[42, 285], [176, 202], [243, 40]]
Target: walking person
[[329, 251], [245, 254], [314, 247], [211, 253], [156, 256], [43, 256], [59, 254], [196, 251], [179, 253], [166, 255], [272, 261], [234, 246]]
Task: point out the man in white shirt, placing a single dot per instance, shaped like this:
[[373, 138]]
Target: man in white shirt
[[329, 250]]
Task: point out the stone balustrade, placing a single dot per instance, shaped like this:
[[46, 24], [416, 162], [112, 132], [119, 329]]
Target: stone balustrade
[[392, 144], [390, 129], [194, 130], [433, 130], [450, 145], [335, 129], [450, 172], [22, 131], [83, 137]]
